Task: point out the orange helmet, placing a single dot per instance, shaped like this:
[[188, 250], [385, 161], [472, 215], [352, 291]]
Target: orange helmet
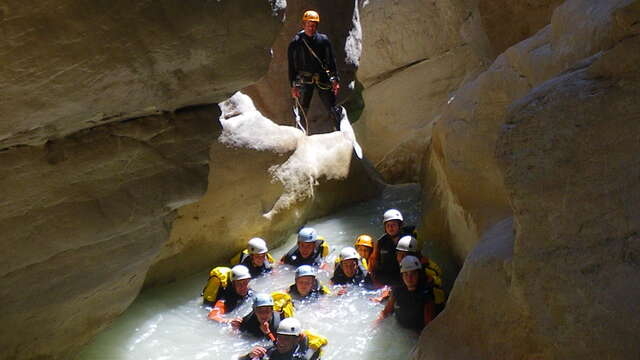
[[310, 15], [364, 240]]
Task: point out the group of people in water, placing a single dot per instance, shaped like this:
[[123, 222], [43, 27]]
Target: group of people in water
[[408, 281]]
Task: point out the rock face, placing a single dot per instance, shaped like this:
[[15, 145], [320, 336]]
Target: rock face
[[87, 198], [77, 65], [416, 54], [82, 221], [272, 93], [265, 180], [563, 142]]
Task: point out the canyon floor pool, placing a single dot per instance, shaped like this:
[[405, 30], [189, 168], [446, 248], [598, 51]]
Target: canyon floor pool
[[169, 323]]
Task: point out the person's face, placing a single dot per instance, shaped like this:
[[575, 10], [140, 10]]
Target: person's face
[[306, 248], [349, 267], [258, 259], [241, 286], [410, 279], [304, 284], [264, 313], [310, 27], [285, 343], [363, 251], [400, 255], [392, 227]]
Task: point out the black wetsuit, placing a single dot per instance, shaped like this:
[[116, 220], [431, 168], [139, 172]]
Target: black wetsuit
[[255, 271], [251, 325], [293, 257], [360, 278], [301, 351], [387, 269], [230, 297], [303, 66], [409, 305]]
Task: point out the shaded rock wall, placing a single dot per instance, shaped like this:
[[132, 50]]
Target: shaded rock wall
[[557, 283], [77, 65], [87, 198]]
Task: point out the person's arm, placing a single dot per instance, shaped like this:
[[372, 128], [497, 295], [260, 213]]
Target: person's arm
[[217, 311], [295, 91], [333, 70], [429, 312], [388, 309]]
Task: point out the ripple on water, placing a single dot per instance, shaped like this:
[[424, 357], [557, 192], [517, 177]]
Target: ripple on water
[[169, 323]]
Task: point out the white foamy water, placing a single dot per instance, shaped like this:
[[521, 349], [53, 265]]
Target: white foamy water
[[169, 323]]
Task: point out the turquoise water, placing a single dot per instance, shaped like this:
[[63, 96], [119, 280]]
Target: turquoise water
[[169, 323]]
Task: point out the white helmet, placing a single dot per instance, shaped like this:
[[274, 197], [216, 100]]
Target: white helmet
[[305, 270], [257, 246], [240, 272], [307, 235], [262, 299], [410, 263], [407, 243], [289, 326], [348, 253], [392, 214]]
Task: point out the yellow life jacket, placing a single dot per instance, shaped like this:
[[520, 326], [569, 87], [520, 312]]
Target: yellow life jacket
[[282, 302], [241, 256], [218, 277], [324, 246], [314, 340]]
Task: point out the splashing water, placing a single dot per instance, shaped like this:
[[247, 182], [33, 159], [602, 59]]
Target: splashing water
[[169, 322]]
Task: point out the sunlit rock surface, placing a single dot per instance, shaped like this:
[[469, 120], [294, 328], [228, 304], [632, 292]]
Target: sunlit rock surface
[[265, 180], [559, 283]]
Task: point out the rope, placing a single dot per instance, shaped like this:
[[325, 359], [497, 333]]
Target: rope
[[306, 121]]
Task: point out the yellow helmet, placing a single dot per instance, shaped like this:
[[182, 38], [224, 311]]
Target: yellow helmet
[[310, 15], [364, 240]]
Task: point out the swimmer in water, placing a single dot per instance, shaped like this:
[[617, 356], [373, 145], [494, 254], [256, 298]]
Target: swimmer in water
[[413, 301], [350, 270], [310, 249], [306, 285], [291, 343], [261, 320]]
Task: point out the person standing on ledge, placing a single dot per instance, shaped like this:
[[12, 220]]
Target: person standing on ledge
[[312, 64]]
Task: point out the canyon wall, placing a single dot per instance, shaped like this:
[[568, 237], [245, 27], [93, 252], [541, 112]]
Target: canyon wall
[[102, 138]]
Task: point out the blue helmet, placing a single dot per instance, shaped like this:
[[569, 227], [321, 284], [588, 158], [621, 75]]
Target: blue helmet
[[307, 235]]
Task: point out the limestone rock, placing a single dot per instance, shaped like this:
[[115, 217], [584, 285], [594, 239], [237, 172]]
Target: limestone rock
[[261, 187], [463, 177], [82, 220], [567, 154], [76, 65]]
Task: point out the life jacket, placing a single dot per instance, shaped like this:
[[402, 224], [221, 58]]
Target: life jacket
[[409, 305], [384, 266], [294, 258], [244, 258], [219, 278], [317, 290], [282, 302]]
